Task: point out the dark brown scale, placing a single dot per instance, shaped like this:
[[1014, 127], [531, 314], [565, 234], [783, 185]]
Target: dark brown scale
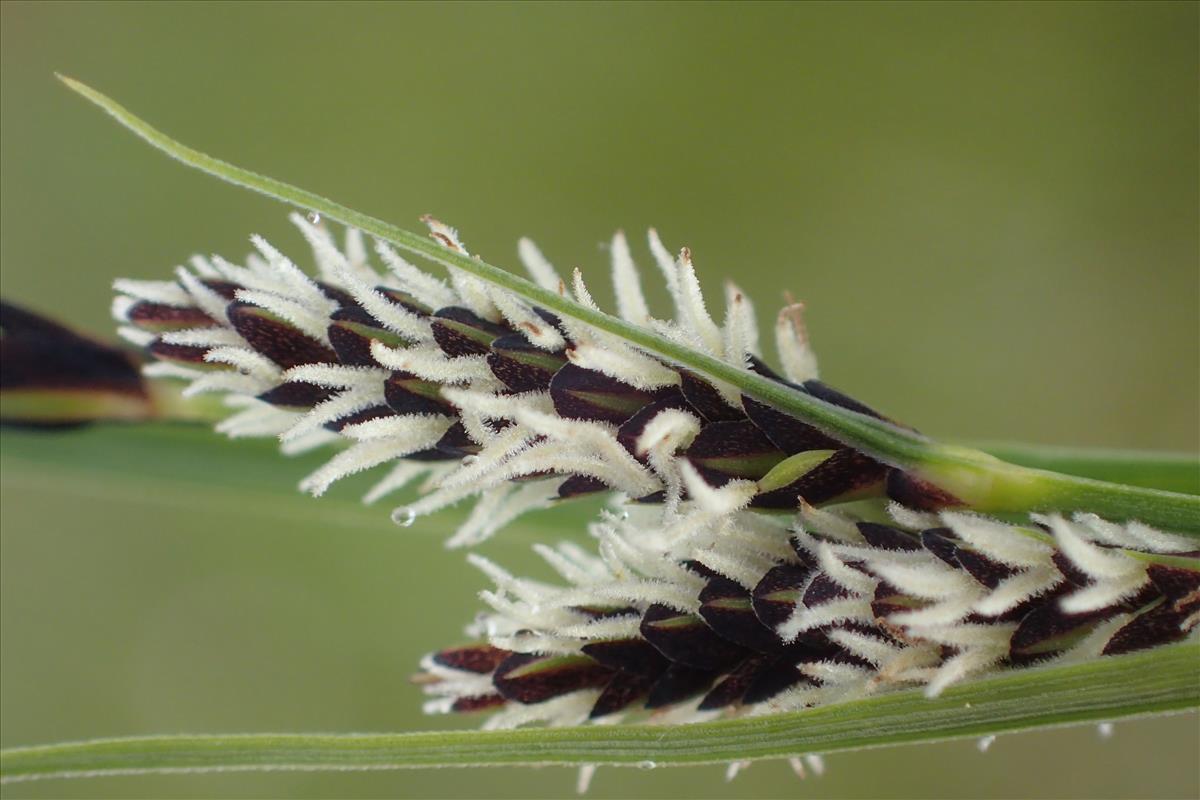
[[585, 394], [983, 569], [457, 443], [706, 400], [528, 679], [686, 639], [776, 595], [159, 317], [408, 394], [786, 432], [460, 332], [1160, 624], [1068, 569], [724, 451], [889, 600], [733, 686], [294, 395], [522, 366], [917, 494], [628, 655], [430, 454], [823, 589], [276, 339], [623, 690], [483, 702], [580, 485], [366, 415], [939, 541], [885, 537], [677, 684], [728, 609], [1047, 629], [478, 658], [1175, 582], [225, 289], [774, 678], [180, 353], [350, 333]]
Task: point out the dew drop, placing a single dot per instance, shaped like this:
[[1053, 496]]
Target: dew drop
[[404, 516], [313, 217], [646, 765]]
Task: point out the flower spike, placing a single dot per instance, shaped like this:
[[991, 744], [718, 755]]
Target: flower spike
[[726, 621], [475, 389]]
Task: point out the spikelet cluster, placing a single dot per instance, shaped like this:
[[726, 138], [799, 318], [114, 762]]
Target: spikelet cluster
[[749, 614], [468, 389]]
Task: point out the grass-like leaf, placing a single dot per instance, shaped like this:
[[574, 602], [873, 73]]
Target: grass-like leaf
[[1155, 682], [983, 482]]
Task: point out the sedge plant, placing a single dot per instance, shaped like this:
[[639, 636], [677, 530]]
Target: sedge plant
[[779, 572]]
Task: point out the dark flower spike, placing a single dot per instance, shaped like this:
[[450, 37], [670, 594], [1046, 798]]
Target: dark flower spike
[[477, 391], [726, 621], [55, 377]]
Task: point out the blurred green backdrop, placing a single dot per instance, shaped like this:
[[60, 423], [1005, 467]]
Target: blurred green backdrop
[[990, 209]]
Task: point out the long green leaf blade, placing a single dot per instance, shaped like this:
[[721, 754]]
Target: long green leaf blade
[[1159, 681]]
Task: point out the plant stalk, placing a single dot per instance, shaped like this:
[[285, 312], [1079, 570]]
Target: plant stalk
[[1153, 682]]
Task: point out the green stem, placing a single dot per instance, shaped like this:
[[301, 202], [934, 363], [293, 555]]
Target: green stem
[[1175, 472], [1152, 682], [985, 483], [1019, 489]]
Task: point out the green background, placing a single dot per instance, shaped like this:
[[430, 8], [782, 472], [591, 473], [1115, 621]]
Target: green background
[[990, 210]]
